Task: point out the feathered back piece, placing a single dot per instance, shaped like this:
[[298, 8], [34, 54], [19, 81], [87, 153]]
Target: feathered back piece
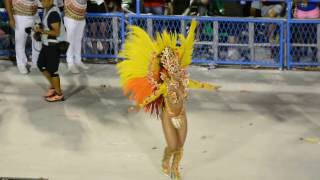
[[140, 71]]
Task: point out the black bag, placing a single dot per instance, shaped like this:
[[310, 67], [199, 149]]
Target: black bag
[[63, 46]]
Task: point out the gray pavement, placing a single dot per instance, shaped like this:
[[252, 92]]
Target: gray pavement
[[250, 130]]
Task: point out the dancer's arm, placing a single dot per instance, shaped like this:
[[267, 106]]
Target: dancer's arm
[[193, 84], [162, 90]]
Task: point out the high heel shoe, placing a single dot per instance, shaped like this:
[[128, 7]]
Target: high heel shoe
[[175, 167]]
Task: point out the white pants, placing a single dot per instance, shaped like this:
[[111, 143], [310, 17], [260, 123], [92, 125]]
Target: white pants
[[75, 29], [23, 22]]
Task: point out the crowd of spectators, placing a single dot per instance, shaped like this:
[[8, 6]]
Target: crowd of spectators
[[301, 9], [240, 8]]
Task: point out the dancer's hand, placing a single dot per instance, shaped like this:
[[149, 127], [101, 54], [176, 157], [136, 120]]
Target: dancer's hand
[[176, 122], [133, 109]]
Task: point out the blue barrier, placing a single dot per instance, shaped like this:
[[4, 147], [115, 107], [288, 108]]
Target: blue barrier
[[303, 43], [104, 34], [219, 40], [303, 40], [224, 40]]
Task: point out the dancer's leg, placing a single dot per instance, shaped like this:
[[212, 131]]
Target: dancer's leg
[[182, 132], [177, 155], [172, 140], [170, 132]]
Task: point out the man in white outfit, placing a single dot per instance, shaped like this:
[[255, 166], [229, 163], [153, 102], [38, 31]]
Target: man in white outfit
[[75, 22], [22, 14]]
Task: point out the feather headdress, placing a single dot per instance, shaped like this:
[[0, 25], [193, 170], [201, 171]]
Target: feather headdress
[[140, 71]]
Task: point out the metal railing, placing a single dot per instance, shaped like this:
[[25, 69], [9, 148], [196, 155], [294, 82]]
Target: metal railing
[[303, 40], [219, 40], [224, 40]]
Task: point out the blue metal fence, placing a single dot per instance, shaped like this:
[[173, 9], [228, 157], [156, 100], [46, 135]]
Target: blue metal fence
[[219, 40], [303, 40], [224, 40], [303, 43], [104, 34]]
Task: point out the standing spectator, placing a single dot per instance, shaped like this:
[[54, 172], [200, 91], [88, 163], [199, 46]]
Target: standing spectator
[[75, 22], [37, 45], [49, 57], [22, 15]]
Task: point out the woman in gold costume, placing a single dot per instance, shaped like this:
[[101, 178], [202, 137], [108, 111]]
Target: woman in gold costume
[[154, 75]]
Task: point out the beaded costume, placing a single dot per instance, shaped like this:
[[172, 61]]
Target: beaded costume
[[154, 71], [154, 75]]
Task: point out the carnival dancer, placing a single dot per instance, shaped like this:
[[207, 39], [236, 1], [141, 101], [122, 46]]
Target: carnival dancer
[[154, 75]]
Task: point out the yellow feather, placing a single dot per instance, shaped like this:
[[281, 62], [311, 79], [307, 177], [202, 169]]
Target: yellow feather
[[139, 48], [186, 48], [137, 52]]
